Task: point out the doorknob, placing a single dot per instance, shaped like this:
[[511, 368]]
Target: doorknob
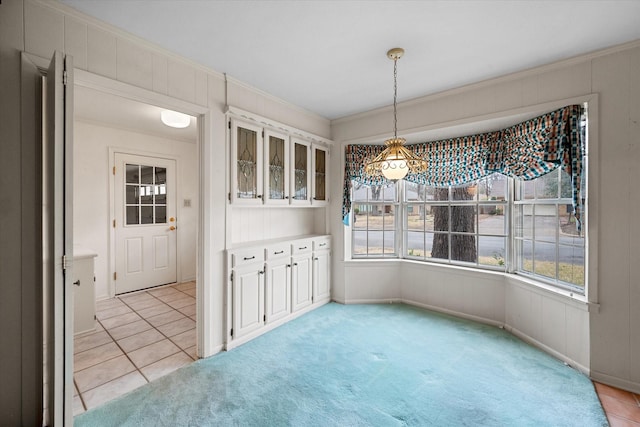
[[172, 219], [172, 228]]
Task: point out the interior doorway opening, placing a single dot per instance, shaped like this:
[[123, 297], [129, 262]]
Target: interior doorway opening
[[142, 239]]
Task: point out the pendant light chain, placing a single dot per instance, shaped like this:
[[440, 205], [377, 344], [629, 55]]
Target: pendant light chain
[[395, 98]]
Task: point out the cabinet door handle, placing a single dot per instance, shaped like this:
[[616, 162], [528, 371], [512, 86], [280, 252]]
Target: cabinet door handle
[[295, 263], [315, 259], [248, 258], [304, 247], [288, 265], [259, 196], [77, 282], [322, 244], [278, 253]]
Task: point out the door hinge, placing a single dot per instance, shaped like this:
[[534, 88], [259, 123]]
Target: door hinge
[[231, 276], [263, 133], [229, 196], [114, 170], [64, 262], [115, 276], [64, 77], [231, 333], [229, 124], [114, 223], [264, 318]]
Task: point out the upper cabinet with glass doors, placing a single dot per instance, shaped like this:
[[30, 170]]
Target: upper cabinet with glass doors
[[276, 161], [246, 163], [319, 175], [300, 172], [272, 168]]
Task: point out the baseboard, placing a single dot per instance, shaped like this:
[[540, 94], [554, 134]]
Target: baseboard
[[615, 382], [215, 350], [534, 342], [372, 301], [454, 313]]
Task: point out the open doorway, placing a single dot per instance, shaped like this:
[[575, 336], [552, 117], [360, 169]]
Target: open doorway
[[136, 216]]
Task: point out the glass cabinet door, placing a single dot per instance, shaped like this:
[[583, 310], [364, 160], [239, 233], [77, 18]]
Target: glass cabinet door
[[246, 164], [320, 161], [276, 168], [300, 180]]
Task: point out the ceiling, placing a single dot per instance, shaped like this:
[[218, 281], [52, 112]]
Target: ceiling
[[94, 106], [329, 57]]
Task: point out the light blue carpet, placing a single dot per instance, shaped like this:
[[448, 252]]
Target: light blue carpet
[[366, 365]]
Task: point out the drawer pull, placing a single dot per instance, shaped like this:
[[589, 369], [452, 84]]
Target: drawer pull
[[248, 258], [322, 244], [77, 282], [304, 247], [278, 253]]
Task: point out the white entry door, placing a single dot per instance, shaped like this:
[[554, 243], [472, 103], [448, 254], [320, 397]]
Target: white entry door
[[145, 222]]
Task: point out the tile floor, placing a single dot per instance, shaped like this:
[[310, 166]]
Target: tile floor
[[139, 337], [622, 407]]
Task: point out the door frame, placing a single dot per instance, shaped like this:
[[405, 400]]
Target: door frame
[[204, 302], [112, 207]]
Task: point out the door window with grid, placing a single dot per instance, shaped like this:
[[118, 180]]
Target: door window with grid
[[146, 194]]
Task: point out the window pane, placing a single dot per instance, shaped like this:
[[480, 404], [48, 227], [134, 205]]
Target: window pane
[[146, 174], [161, 176], [526, 190], [360, 216], [547, 186], [146, 215], [415, 217], [428, 244], [545, 259], [132, 194], [525, 251], [524, 221], [440, 218], [571, 265], [389, 242], [492, 220], [300, 173], [389, 193], [493, 187], [569, 234], [415, 191], [375, 240], [132, 174], [389, 217], [545, 223], [146, 194], [161, 215], [463, 219], [491, 251], [428, 218], [441, 194], [161, 194], [465, 192], [359, 242], [566, 189], [132, 215], [440, 246], [360, 192], [463, 247], [415, 244]]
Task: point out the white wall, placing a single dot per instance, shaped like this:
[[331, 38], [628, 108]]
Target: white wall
[[92, 204], [612, 349], [106, 51], [250, 224]]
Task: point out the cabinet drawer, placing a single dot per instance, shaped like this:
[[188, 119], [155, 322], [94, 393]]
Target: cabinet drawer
[[277, 251], [322, 243], [247, 256], [301, 246]]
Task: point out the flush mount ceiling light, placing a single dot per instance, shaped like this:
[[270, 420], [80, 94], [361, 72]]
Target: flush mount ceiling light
[[396, 160], [175, 119]]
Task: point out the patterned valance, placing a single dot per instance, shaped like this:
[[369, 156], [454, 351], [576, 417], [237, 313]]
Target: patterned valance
[[526, 151]]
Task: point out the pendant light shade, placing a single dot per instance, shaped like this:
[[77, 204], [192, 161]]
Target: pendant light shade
[[396, 161]]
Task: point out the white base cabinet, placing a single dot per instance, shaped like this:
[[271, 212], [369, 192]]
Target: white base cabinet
[[275, 282]]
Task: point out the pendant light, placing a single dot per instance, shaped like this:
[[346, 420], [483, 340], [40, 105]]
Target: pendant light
[[396, 160]]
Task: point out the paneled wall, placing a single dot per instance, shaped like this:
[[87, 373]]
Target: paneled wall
[[613, 75]]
